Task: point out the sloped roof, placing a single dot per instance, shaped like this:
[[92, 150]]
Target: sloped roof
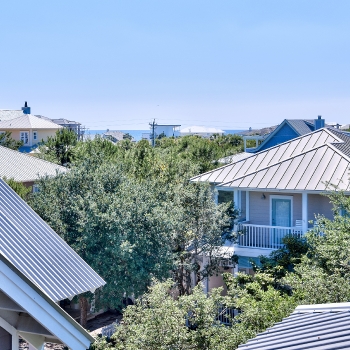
[[300, 126], [304, 163], [37, 251], [234, 157], [25, 168], [22, 300], [8, 114], [322, 326], [118, 135], [28, 121]]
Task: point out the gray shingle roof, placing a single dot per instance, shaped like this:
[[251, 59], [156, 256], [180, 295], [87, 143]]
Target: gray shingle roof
[[8, 114], [28, 121], [316, 327], [39, 253], [25, 168]]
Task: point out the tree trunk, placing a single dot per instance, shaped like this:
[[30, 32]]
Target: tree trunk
[[83, 310]]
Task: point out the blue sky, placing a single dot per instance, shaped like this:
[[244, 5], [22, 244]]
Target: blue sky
[[228, 64]]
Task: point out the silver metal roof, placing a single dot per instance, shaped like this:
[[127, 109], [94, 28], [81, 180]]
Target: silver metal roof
[[8, 114], [304, 163], [234, 158], [309, 327], [25, 168], [39, 253], [28, 121]]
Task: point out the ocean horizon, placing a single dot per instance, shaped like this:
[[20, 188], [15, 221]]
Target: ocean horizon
[[137, 134]]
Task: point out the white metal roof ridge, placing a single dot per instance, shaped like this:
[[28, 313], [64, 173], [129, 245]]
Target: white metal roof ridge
[[330, 307], [341, 154], [197, 177]]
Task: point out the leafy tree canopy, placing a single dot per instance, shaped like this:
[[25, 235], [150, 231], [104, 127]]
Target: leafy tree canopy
[[6, 140]]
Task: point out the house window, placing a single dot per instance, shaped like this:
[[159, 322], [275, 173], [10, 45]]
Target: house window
[[35, 188], [35, 135], [24, 137], [225, 197]]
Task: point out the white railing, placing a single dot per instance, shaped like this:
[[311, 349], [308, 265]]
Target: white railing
[[225, 315], [262, 236]]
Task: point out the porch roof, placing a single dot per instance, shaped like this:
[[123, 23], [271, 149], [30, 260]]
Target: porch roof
[[309, 162], [38, 252], [27, 311]]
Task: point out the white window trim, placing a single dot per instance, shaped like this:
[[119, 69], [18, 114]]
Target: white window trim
[[20, 136], [36, 135], [291, 207]]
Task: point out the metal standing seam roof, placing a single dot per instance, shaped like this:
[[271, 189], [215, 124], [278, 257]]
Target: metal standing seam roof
[[8, 114], [28, 121], [268, 157], [38, 252], [315, 327], [310, 170], [234, 158], [301, 126], [25, 168]]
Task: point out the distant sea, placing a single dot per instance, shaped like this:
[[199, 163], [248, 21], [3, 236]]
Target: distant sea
[[137, 134]]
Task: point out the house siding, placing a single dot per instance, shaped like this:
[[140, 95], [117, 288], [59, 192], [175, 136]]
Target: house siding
[[319, 204], [259, 209], [286, 133], [41, 134]]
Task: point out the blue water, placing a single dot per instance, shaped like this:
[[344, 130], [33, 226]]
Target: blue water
[[137, 134]]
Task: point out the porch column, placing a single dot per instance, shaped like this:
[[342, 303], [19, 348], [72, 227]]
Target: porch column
[[235, 270], [304, 209], [247, 213], [15, 341], [236, 202]]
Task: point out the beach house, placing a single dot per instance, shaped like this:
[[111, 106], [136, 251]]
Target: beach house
[[280, 191]]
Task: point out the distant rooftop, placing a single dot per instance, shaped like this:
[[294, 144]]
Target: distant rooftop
[[28, 121], [25, 168], [201, 129], [8, 114]]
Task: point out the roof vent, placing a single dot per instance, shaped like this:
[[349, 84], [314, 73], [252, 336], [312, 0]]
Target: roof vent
[[319, 123]]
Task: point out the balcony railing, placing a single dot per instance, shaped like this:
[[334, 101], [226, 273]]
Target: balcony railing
[[262, 236]]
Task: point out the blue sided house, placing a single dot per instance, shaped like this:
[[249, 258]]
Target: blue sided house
[[289, 129]]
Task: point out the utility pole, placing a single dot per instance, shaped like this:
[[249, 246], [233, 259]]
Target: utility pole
[[153, 127]]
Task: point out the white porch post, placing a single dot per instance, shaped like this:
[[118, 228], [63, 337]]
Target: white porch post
[[247, 213], [304, 211], [236, 199], [235, 270]]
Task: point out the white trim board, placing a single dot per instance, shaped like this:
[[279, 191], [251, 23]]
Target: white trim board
[[41, 308]]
